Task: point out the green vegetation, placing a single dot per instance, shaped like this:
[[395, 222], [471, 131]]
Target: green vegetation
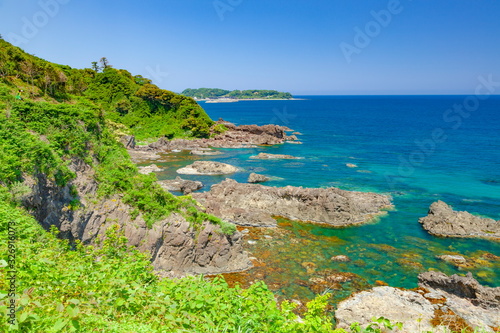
[[214, 93], [146, 110], [113, 289]]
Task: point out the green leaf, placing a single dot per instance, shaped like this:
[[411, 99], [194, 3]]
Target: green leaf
[[60, 324], [3, 263], [22, 317]]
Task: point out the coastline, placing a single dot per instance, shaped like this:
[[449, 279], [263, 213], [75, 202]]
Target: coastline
[[207, 100]]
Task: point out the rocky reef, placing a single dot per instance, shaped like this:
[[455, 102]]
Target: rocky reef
[[442, 220], [176, 248], [255, 205], [441, 303]]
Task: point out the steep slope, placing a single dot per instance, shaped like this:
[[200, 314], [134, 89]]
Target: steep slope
[[60, 156]]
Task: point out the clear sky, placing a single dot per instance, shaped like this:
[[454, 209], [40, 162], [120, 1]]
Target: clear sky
[[299, 46]]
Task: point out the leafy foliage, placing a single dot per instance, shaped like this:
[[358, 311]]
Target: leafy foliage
[[113, 289], [214, 93]]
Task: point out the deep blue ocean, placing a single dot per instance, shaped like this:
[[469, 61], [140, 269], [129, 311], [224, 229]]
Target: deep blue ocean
[[418, 149]]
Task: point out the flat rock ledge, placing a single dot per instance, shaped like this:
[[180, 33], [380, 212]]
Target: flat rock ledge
[[440, 304], [149, 169], [266, 156], [255, 205], [442, 220], [207, 168], [181, 185]]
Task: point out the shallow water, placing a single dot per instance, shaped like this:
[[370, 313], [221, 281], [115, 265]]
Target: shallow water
[[380, 135]]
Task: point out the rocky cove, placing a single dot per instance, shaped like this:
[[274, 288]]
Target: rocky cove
[[297, 259]]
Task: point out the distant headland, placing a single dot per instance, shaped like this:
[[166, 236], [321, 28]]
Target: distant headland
[[215, 95]]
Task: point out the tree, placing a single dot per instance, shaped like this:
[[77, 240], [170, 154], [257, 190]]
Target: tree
[[104, 63], [95, 66]]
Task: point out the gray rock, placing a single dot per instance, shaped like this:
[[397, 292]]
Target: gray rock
[[176, 248], [256, 178], [454, 259], [407, 307], [128, 141], [266, 156], [201, 152], [255, 205], [207, 168], [442, 220], [477, 305], [181, 185], [149, 168]]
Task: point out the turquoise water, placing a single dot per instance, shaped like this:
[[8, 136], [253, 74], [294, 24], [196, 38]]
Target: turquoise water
[[455, 158]]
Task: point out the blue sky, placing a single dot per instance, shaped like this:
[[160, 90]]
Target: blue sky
[[304, 47]]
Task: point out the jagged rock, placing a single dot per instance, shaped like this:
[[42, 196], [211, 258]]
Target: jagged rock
[[181, 185], [477, 305], [128, 141], [266, 156], [256, 178], [255, 205], [176, 248], [207, 168], [442, 220], [149, 168], [407, 307]]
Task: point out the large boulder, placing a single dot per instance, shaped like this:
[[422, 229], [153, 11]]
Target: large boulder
[[442, 220], [255, 205], [256, 178], [181, 185], [404, 306], [266, 156], [207, 168]]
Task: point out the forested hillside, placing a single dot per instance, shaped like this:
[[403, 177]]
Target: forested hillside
[[214, 93]]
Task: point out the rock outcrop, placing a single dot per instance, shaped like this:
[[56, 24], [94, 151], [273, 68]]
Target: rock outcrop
[[443, 221], [255, 205], [207, 168], [181, 185], [407, 307], [266, 156], [256, 178], [464, 298], [440, 304], [149, 169], [243, 136], [176, 249]]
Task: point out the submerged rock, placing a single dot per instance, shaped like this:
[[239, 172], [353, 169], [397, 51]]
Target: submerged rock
[[207, 168], [255, 205], [181, 185], [340, 258], [256, 178], [442, 220]]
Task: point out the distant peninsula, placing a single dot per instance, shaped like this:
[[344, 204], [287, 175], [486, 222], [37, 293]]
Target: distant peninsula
[[221, 95]]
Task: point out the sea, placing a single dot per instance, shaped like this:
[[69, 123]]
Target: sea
[[417, 149]]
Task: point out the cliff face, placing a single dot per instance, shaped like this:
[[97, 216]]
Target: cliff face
[[176, 248]]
